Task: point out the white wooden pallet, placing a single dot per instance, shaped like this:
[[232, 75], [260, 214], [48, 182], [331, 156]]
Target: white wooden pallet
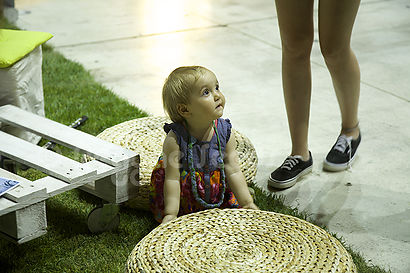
[[112, 175]]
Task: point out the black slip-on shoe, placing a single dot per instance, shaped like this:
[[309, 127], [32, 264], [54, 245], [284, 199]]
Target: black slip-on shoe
[[290, 171]]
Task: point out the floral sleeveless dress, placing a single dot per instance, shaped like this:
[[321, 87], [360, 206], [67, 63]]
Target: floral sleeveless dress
[[208, 174]]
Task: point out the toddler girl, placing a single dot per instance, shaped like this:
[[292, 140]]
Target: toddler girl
[[199, 167]]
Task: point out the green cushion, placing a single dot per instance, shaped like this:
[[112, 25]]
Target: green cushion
[[15, 44]]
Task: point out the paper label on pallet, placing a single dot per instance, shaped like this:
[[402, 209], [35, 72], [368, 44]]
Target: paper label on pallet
[[7, 185]]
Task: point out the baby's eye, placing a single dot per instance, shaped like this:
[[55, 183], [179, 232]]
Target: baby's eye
[[217, 87], [205, 92]]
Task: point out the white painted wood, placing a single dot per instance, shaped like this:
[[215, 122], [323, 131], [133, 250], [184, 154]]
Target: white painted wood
[[7, 206], [90, 188], [42, 159], [115, 192], [15, 201], [25, 191], [104, 151], [24, 222], [24, 239], [119, 187], [53, 187], [113, 175], [116, 186], [102, 169]]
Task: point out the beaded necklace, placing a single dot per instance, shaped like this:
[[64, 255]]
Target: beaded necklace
[[193, 173]]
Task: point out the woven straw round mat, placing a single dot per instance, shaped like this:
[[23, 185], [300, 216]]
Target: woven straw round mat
[[145, 136], [239, 240]]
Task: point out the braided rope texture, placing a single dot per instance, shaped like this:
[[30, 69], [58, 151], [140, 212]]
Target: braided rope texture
[[239, 240], [145, 136]]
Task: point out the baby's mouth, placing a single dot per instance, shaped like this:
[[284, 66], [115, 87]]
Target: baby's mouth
[[219, 105]]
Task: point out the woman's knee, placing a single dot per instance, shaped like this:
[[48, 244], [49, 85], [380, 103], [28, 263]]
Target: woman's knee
[[297, 48], [334, 52]]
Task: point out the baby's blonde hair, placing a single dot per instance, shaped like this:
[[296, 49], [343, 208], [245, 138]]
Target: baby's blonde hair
[[178, 88]]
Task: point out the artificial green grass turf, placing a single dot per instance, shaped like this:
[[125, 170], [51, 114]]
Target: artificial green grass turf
[[68, 246], [69, 93]]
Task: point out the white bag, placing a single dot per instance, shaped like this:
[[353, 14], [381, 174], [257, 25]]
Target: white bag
[[21, 85]]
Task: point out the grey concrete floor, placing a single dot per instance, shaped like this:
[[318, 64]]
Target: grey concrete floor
[[131, 46]]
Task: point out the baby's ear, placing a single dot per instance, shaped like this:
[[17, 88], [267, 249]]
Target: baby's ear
[[183, 110]]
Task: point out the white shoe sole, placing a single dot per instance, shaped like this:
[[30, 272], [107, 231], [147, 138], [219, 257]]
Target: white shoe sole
[[290, 182], [333, 167]]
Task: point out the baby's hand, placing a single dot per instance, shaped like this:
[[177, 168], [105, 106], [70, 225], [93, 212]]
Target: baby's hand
[[168, 218], [251, 206]]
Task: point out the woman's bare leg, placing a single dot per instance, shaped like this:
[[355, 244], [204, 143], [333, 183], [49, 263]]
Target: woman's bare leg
[[295, 19], [336, 19]]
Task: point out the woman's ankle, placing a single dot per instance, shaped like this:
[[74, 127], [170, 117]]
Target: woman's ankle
[[304, 154], [352, 131]]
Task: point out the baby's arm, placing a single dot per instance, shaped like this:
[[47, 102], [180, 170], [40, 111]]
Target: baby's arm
[[235, 177], [171, 184]]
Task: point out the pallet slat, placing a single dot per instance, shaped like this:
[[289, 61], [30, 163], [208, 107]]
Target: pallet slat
[[104, 151], [102, 169], [25, 191], [55, 186], [42, 159]]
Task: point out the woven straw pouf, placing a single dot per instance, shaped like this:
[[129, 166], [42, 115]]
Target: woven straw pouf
[[239, 240], [145, 136]]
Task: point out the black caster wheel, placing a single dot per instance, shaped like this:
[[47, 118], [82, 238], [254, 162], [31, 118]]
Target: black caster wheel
[[104, 218]]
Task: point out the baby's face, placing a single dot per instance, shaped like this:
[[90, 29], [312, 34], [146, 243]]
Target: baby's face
[[207, 100]]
